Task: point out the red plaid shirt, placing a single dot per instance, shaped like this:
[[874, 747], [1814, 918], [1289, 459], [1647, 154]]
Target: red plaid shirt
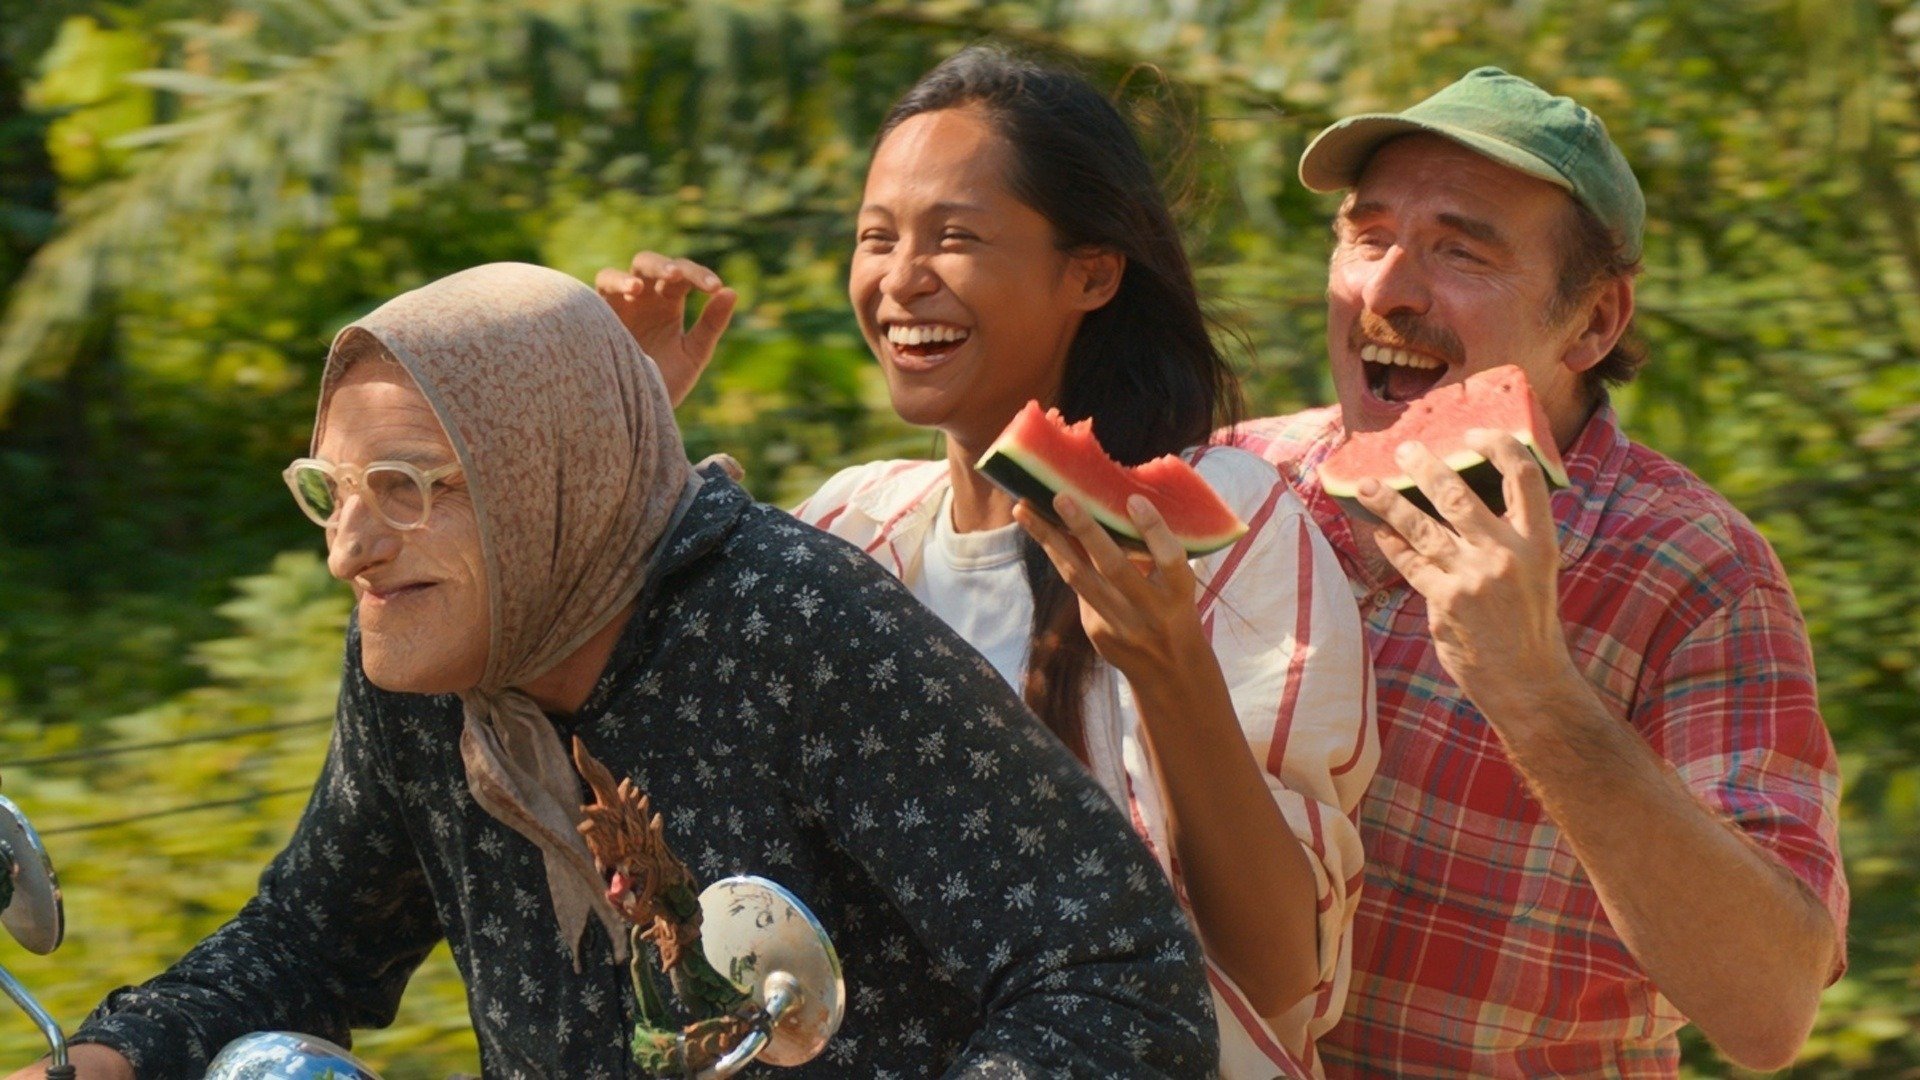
[[1480, 947]]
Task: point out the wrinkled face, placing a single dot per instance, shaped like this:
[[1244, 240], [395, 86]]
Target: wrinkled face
[[1445, 264], [961, 290], [422, 593]]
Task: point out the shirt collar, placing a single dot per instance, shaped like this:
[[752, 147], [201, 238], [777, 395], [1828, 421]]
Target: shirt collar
[[717, 504], [710, 518], [1594, 462]]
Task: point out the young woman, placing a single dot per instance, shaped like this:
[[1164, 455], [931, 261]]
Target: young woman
[[1013, 245]]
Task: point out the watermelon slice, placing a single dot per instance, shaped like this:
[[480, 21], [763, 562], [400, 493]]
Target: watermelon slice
[[1040, 454], [1498, 398]]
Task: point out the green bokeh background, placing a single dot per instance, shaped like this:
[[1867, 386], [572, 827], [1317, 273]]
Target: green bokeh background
[[195, 196]]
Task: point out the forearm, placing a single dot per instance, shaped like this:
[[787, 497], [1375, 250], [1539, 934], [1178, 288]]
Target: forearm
[[1725, 931], [1073, 1031], [251, 975], [342, 917], [1248, 877]]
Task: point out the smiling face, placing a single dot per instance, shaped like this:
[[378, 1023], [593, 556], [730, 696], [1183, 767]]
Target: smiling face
[[962, 290], [1445, 265], [424, 618]]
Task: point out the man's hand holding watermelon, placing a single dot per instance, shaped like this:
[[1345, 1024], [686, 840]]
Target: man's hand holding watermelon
[[1664, 866], [1607, 804], [1491, 580]]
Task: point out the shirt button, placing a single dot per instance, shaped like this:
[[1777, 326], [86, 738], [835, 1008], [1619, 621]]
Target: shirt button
[[1378, 599]]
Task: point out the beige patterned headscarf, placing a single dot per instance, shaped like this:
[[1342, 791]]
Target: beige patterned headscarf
[[568, 442]]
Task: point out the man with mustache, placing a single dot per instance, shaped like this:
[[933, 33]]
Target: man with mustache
[[1606, 802]]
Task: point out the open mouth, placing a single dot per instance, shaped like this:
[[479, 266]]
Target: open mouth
[[925, 344], [1398, 375]]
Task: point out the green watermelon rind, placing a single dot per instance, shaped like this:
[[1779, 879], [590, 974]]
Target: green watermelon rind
[[1025, 476], [1480, 474]]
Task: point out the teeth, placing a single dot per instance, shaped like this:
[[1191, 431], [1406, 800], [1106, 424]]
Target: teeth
[[924, 334], [1379, 354]]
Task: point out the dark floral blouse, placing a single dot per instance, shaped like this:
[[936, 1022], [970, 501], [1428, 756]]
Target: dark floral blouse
[[795, 714]]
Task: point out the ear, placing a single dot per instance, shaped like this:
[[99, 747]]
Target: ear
[[1599, 323], [1094, 276]]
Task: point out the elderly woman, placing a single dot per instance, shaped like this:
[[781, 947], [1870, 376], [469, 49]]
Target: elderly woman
[[501, 482]]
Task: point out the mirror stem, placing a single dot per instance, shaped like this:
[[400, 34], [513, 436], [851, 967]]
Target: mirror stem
[[55, 1039]]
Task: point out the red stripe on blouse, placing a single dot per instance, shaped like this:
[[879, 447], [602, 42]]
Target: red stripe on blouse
[[1218, 583], [1255, 1029], [1297, 664]]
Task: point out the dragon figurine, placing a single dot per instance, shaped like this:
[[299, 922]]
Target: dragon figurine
[[655, 892]]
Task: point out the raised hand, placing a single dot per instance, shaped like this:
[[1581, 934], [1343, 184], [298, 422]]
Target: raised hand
[[650, 297], [1491, 583], [1137, 610]]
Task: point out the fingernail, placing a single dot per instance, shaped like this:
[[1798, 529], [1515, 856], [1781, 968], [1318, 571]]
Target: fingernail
[[712, 282], [1368, 487], [1140, 506], [1403, 452]]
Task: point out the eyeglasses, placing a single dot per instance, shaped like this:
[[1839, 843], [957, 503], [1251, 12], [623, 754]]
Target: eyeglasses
[[397, 491]]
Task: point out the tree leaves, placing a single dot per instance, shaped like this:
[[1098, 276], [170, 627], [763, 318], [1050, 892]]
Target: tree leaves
[[305, 160]]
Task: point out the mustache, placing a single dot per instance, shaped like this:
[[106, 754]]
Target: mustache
[[1405, 330]]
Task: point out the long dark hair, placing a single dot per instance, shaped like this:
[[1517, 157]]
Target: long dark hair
[[1143, 366]]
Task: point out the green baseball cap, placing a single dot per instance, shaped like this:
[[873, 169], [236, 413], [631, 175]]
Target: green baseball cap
[[1510, 120]]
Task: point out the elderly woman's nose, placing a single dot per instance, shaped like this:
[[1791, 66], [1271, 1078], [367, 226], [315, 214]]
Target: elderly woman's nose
[[358, 539]]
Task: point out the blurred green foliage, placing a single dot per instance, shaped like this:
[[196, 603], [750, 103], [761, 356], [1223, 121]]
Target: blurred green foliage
[[194, 198], [143, 880]]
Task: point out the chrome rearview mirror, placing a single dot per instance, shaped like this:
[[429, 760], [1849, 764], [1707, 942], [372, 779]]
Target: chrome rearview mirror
[[769, 944], [755, 932], [31, 911], [286, 1055], [751, 972]]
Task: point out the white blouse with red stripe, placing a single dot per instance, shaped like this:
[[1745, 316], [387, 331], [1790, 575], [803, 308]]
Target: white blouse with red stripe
[[1281, 618]]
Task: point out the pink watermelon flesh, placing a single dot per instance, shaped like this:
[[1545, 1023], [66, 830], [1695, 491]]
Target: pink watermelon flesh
[[1040, 454], [1498, 398]]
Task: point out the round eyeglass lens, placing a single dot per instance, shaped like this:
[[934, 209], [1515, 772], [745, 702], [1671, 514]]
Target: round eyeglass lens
[[399, 495], [315, 490]]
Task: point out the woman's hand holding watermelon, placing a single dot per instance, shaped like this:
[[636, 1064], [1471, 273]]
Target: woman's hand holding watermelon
[[1138, 610], [1247, 875], [1491, 583], [650, 297]]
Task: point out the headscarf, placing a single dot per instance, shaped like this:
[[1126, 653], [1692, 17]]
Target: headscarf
[[576, 469]]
